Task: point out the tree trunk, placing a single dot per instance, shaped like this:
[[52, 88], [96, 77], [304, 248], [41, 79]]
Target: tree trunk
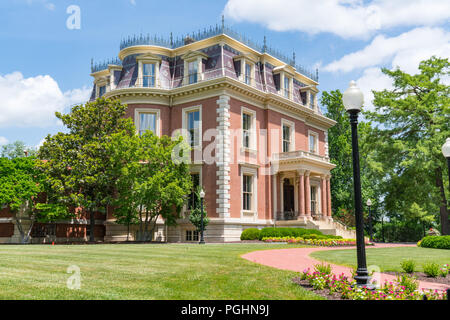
[[443, 207], [92, 226]]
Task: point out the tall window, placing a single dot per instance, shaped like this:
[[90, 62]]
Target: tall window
[[248, 73], [286, 138], [312, 100], [312, 143], [192, 200], [304, 98], [193, 71], [313, 199], [148, 75], [247, 192], [246, 129], [101, 91], [191, 235], [193, 127], [147, 121], [287, 88]]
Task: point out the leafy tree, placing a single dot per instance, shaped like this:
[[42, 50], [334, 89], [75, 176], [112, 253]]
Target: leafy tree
[[76, 162], [195, 216], [149, 182], [340, 152], [17, 149], [21, 189], [412, 121]]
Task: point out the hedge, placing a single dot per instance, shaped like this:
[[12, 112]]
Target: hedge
[[436, 242], [250, 234], [287, 232]]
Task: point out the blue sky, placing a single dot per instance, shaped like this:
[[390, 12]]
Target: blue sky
[[45, 67]]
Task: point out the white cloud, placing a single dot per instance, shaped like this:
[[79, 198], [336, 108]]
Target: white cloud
[[32, 102], [345, 18], [48, 5], [3, 141], [373, 79], [133, 2], [405, 51]]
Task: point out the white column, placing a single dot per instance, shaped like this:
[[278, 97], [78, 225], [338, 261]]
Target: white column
[[223, 157]]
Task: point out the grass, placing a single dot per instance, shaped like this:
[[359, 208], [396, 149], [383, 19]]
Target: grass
[[388, 259], [146, 271]]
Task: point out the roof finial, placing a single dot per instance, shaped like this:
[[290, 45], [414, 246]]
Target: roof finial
[[223, 23], [171, 39], [293, 58], [92, 64], [317, 74], [265, 44]]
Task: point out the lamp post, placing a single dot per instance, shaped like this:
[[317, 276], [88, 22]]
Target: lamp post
[[353, 100], [202, 195], [369, 204]]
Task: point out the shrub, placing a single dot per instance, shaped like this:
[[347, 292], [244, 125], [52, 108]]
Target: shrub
[[436, 242], [286, 232], [410, 283], [431, 269], [408, 266], [250, 234], [444, 271], [323, 268]]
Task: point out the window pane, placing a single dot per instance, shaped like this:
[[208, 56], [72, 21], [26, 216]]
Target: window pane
[[148, 74], [248, 69], [286, 87], [246, 126], [192, 71], [193, 127], [192, 200], [312, 143], [147, 122], [102, 91]]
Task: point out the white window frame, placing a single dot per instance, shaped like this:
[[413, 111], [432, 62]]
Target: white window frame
[[154, 75], [192, 235], [252, 172], [317, 185], [148, 59], [137, 119], [185, 125], [285, 122], [252, 142], [316, 141]]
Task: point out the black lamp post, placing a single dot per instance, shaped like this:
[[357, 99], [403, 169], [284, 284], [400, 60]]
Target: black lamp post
[[369, 204], [353, 100], [202, 195]]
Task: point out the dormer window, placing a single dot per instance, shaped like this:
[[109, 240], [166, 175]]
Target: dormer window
[[286, 75], [193, 66], [101, 91], [148, 75], [193, 71], [148, 70], [246, 68]]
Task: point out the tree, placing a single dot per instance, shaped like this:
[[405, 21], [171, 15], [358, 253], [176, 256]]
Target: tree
[[149, 182], [195, 216], [340, 152], [76, 162], [22, 188], [412, 121], [17, 149]]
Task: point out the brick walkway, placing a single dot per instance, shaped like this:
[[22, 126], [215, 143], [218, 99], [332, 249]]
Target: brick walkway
[[298, 259]]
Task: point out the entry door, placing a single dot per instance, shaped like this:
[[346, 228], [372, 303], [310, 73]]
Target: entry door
[[288, 196]]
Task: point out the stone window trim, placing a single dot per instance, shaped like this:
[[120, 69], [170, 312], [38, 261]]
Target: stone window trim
[[251, 171], [194, 169], [253, 139], [289, 73], [316, 141], [102, 82], [148, 59], [185, 130], [137, 113], [310, 91], [291, 124]]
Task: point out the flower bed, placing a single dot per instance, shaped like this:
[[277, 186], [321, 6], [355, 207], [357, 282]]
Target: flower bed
[[404, 288], [315, 242]]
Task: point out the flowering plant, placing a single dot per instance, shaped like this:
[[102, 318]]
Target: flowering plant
[[316, 242]]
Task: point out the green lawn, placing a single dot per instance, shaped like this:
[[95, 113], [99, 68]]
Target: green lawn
[[388, 259], [147, 271]]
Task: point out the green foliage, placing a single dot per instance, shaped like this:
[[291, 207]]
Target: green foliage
[[431, 269], [147, 181], [76, 161], [408, 265], [436, 242], [195, 216], [250, 234], [323, 268], [286, 232], [17, 150], [409, 282], [411, 123]]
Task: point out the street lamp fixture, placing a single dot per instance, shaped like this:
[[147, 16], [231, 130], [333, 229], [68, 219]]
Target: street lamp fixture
[[446, 153], [202, 195], [369, 204], [353, 100]]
